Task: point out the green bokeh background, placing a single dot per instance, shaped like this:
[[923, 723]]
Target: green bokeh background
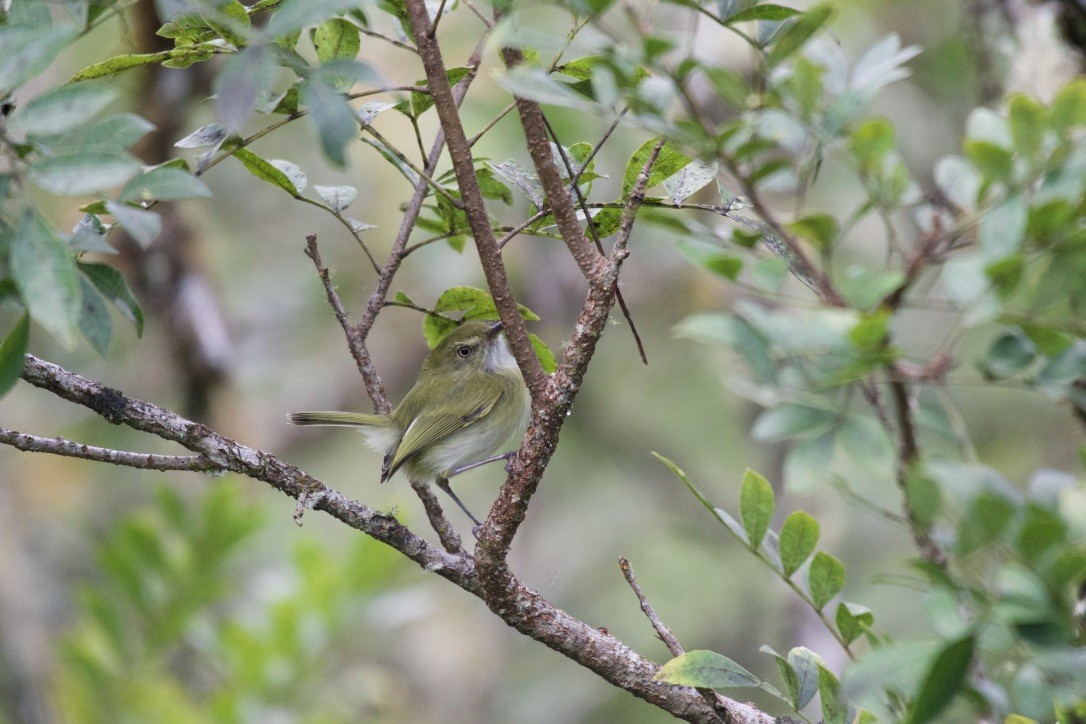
[[416, 649]]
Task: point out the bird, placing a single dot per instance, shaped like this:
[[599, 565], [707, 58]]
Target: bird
[[468, 399]]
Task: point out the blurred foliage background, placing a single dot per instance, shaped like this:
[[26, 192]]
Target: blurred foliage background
[[176, 597]]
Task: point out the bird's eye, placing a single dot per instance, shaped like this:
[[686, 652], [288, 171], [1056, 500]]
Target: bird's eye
[[464, 351]]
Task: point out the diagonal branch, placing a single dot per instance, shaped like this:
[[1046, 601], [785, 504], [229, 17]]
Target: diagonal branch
[[463, 165], [532, 614]]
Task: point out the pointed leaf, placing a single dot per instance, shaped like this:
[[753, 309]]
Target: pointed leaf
[[142, 225], [337, 197], [945, 679], [265, 170], [705, 669], [799, 536], [834, 704], [13, 353], [82, 172], [668, 162], [825, 578], [44, 273], [210, 135], [543, 352], [853, 620], [164, 184], [113, 287], [94, 321], [61, 110], [756, 504], [805, 663], [798, 33]]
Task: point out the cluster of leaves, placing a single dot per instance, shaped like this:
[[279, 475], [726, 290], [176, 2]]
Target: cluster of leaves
[[155, 632], [60, 143]]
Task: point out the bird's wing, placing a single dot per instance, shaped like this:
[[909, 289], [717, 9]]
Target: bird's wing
[[433, 426]]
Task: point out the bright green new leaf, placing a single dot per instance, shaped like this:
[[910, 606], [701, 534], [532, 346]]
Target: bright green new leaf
[[706, 256], [799, 536], [825, 578], [945, 679], [113, 287], [756, 505], [705, 669], [1069, 106], [994, 162], [668, 162], [543, 352], [819, 229], [94, 321], [13, 354], [61, 110], [422, 102], [336, 39], [124, 62], [870, 141], [44, 273], [729, 86], [265, 171], [1028, 120]]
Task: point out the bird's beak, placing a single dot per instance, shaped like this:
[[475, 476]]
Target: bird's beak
[[494, 330]]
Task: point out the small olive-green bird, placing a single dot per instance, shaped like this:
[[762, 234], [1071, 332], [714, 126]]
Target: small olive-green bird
[[469, 398]]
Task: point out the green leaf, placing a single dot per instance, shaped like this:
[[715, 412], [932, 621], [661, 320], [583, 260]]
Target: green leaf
[[945, 679], [798, 33], [45, 276], [853, 620], [29, 50], [1003, 228], [690, 179], [336, 39], [335, 120], [13, 354], [834, 704], [788, 674], [1041, 530], [543, 352], [1008, 355], [112, 134], [805, 663], [422, 102], [923, 497], [476, 304], [993, 161], [61, 110], [537, 85], [292, 172], [865, 288], [870, 141], [164, 184], [142, 225], [786, 421], [1069, 107], [768, 11], [123, 62], [729, 86], [82, 172], [668, 162], [825, 578], [799, 536], [1028, 122], [94, 321], [819, 229], [402, 298], [756, 504], [706, 256], [265, 171], [435, 327], [113, 287], [705, 669]]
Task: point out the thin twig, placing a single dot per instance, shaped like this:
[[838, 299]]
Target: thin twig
[[144, 461], [448, 536], [574, 176], [493, 122]]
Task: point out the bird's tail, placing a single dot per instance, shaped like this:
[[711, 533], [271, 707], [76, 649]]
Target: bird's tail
[[346, 419]]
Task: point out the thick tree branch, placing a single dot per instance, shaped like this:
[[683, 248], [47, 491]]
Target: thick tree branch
[[530, 613], [460, 154], [557, 195]]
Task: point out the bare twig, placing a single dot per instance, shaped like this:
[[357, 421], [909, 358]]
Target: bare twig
[[370, 377], [144, 461], [448, 536], [661, 628]]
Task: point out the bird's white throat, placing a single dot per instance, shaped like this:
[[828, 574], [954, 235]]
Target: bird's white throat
[[498, 355]]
